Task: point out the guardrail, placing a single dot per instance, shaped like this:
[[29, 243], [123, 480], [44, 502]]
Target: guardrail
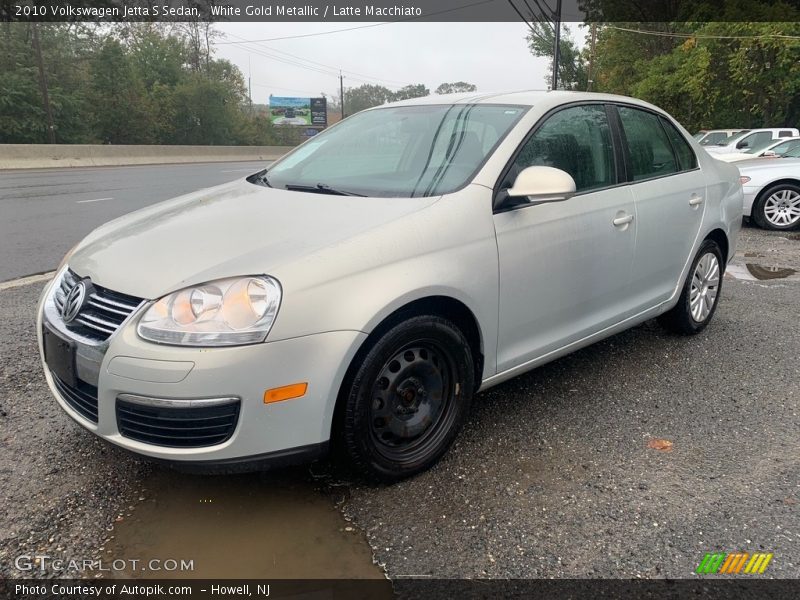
[[46, 156]]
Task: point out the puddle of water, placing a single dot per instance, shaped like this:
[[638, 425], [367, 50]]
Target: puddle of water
[[261, 526], [757, 272]]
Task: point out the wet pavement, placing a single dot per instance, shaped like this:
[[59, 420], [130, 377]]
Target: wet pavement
[[271, 525]]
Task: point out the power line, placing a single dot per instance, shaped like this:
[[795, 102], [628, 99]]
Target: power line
[[703, 36], [391, 82], [306, 35]]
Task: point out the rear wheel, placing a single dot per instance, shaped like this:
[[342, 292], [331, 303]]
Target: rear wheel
[[408, 398], [700, 295], [778, 207]]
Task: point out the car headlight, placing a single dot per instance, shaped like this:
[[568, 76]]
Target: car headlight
[[227, 312]]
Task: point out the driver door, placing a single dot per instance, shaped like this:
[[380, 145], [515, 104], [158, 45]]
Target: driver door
[[565, 267]]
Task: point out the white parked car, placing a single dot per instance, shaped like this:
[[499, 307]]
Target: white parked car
[[773, 149], [752, 138], [366, 285], [715, 136], [772, 190]]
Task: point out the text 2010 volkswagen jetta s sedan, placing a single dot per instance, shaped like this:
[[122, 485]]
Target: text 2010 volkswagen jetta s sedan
[[362, 288]]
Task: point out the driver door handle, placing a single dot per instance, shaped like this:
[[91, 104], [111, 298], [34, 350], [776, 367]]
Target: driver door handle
[[695, 200], [624, 220]]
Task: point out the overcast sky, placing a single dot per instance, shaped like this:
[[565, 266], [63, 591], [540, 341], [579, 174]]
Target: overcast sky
[[493, 56]]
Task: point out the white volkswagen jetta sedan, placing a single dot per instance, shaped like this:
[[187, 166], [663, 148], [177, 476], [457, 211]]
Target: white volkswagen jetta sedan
[[362, 288]]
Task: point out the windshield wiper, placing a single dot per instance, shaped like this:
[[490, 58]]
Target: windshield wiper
[[320, 188]]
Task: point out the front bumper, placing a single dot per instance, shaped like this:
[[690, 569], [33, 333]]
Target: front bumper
[[125, 364]]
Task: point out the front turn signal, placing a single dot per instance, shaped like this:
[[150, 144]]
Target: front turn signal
[[286, 392]]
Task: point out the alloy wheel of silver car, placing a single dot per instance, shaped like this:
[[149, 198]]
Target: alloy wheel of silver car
[[782, 208], [704, 287]]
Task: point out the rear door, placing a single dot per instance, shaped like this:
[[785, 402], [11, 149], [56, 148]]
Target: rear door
[[670, 194]]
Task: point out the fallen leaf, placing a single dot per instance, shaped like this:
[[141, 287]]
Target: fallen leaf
[[659, 444]]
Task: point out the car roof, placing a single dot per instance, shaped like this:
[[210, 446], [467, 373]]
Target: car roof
[[519, 98]]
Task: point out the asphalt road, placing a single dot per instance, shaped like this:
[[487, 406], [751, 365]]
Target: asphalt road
[[46, 211], [553, 475]]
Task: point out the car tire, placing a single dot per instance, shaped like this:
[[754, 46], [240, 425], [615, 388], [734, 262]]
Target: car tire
[[700, 295], [406, 398], [778, 207]]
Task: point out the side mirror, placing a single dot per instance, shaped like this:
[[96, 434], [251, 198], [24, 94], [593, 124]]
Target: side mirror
[[537, 185], [770, 153], [743, 144]]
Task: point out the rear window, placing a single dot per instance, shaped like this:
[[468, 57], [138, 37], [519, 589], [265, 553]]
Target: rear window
[[686, 157], [649, 150], [785, 133]]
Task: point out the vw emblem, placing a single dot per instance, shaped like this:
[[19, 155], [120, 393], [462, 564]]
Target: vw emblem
[[74, 302]]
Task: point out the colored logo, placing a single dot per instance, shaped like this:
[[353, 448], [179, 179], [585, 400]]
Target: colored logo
[[734, 563]]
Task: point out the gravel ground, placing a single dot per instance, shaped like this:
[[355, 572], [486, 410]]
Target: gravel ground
[[552, 476], [61, 487]]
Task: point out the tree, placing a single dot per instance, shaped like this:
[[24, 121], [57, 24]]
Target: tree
[[120, 95], [708, 75], [365, 96], [571, 65], [410, 91], [456, 88]]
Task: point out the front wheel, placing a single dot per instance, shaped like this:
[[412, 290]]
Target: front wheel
[[779, 207], [700, 295], [407, 400]]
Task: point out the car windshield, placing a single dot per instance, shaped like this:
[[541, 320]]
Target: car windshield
[[401, 151], [793, 152], [785, 147], [757, 149]]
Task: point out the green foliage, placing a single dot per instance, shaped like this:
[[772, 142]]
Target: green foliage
[[124, 84], [726, 74], [571, 64], [456, 88], [368, 95], [411, 91]]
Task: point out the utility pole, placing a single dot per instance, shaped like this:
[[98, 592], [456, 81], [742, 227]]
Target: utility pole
[[590, 73], [556, 44], [51, 129], [249, 84], [341, 92]]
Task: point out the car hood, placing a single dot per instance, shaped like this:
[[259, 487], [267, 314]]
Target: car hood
[[763, 164], [234, 229]]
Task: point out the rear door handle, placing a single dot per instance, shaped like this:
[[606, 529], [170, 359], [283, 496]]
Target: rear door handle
[[624, 220], [695, 200]]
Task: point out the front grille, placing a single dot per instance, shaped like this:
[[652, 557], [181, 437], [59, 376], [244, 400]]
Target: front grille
[[190, 427], [103, 312], [82, 398]]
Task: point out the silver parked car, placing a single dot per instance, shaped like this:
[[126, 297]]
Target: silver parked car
[[772, 190], [365, 286], [773, 149]]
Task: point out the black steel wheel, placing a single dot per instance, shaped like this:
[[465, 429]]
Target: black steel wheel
[[407, 399]]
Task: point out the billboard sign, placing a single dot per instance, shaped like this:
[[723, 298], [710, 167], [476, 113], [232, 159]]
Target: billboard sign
[[285, 110]]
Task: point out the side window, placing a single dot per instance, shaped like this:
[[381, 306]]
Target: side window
[[755, 140], [785, 133], [649, 150], [576, 140], [686, 157]]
